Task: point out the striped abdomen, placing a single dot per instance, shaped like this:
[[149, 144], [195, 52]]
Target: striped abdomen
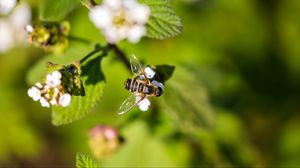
[[138, 86]]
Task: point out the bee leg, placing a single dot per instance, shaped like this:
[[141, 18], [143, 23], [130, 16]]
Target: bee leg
[[143, 96]]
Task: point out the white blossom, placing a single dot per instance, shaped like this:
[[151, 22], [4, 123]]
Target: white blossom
[[144, 104], [53, 79], [39, 85], [29, 28], [53, 101], [158, 84], [6, 6], [6, 36], [12, 26], [65, 100], [51, 92], [34, 93], [149, 72], [44, 102], [120, 19]]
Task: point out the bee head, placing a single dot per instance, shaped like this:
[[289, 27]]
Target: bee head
[[158, 92]]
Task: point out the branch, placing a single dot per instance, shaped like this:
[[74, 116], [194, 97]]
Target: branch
[[79, 39], [120, 54], [97, 49]]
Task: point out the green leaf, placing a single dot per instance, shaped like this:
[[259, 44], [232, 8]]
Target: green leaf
[[164, 72], [94, 82], [186, 101], [85, 161], [56, 10], [163, 22], [92, 78]]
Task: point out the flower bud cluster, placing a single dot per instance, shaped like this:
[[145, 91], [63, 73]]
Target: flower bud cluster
[[51, 92], [103, 141], [49, 36]]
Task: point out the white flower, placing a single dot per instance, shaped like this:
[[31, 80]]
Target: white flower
[[6, 6], [34, 93], [12, 27], [29, 28], [149, 72], [44, 102], [39, 85], [53, 79], [144, 104], [53, 101], [6, 36], [120, 19], [65, 99], [158, 84]]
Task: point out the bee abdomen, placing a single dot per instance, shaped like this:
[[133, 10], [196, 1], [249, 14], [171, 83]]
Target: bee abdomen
[[135, 85], [128, 83]]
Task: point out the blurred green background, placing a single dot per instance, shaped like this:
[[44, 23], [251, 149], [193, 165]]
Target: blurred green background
[[232, 101]]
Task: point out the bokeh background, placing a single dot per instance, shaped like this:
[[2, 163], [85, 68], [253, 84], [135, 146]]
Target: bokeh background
[[232, 101]]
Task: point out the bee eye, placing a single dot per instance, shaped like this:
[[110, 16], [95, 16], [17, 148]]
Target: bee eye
[[159, 91], [72, 69]]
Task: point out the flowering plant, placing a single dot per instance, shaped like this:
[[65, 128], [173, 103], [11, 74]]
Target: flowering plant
[[72, 90]]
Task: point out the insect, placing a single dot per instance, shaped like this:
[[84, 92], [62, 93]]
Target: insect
[[140, 86]]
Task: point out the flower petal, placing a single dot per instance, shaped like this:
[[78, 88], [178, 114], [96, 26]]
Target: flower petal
[[6, 6], [44, 102], [101, 16], [135, 34], [137, 12], [144, 104], [149, 72], [34, 93], [65, 100]]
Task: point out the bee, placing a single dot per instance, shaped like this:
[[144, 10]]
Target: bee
[[140, 86]]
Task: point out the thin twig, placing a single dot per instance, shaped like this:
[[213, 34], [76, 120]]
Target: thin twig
[[97, 49], [90, 4], [79, 39], [120, 54]]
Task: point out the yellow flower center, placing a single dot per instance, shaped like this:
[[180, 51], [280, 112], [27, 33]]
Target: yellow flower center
[[119, 20]]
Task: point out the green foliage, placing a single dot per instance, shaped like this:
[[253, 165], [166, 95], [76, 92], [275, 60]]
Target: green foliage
[[154, 153], [85, 161], [56, 10], [94, 82], [163, 22], [92, 78], [164, 72], [187, 102], [16, 128]]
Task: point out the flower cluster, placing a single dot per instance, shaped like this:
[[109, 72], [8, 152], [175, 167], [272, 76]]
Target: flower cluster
[[52, 92], [103, 140], [149, 74], [120, 19], [49, 36], [12, 25]]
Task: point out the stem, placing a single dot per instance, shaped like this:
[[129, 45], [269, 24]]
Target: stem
[[90, 4], [120, 54], [79, 39], [97, 49]]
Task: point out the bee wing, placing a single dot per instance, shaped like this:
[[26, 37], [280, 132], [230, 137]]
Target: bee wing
[[136, 66], [128, 104]]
